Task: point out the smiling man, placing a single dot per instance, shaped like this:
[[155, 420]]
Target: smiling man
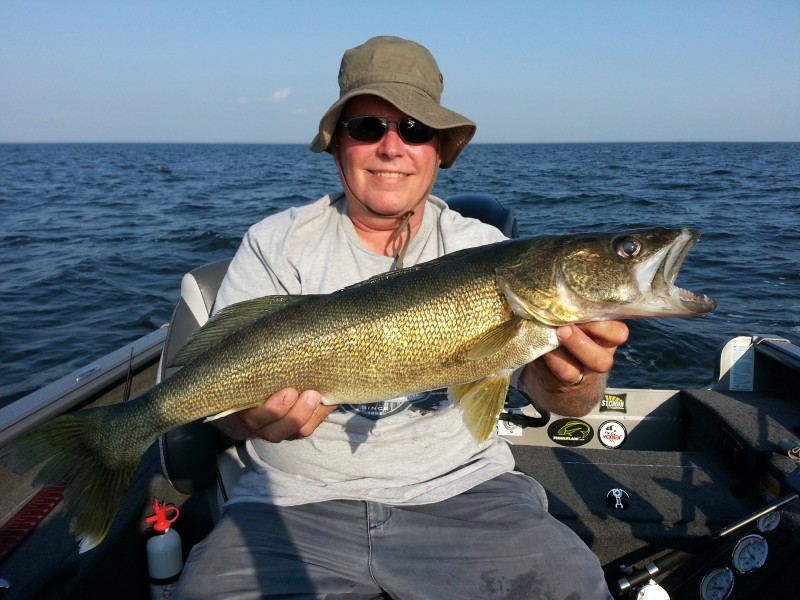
[[387, 179], [398, 497]]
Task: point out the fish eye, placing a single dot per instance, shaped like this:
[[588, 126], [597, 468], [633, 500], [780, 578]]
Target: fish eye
[[628, 246]]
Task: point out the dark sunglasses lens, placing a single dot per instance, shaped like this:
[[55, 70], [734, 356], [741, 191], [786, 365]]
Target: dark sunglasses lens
[[414, 132], [366, 129]]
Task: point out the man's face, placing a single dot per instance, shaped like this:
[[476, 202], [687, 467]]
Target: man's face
[[390, 176]]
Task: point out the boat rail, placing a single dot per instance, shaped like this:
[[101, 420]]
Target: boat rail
[[76, 387]]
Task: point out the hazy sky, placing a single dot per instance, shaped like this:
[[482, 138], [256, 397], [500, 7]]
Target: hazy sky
[[536, 71]]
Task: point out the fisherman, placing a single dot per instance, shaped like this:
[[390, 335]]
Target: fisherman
[[395, 498]]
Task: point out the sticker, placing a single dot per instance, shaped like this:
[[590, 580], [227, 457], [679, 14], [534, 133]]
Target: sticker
[[612, 434], [613, 403], [570, 432], [741, 371], [618, 498]]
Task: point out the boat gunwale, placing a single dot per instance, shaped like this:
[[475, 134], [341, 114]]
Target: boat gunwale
[[72, 389]]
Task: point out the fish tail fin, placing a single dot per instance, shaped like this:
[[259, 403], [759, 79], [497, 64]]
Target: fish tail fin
[[482, 401], [72, 449]]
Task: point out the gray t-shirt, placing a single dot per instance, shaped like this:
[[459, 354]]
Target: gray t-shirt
[[412, 450]]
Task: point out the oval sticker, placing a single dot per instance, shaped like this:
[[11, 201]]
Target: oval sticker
[[570, 432]]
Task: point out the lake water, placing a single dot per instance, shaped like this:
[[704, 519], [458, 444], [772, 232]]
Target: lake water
[[95, 237]]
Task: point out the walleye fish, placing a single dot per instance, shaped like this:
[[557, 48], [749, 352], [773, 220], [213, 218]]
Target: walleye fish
[[464, 321]]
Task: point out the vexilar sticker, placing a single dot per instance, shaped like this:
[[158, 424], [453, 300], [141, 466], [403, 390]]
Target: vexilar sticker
[[612, 434]]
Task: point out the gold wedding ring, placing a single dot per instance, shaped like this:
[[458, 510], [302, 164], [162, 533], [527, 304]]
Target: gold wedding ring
[[577, 382]]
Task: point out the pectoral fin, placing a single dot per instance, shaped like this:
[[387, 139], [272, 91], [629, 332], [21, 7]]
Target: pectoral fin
[[481, 401], [230, 319], [495, 339], [226, 413]]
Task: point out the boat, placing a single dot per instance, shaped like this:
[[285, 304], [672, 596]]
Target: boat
[[681, 493]]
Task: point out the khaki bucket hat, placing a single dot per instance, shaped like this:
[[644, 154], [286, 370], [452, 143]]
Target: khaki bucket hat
[[405, 74]]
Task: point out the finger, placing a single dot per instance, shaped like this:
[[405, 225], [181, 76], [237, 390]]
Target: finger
[[298, 416], [564, 367], [320, 413], [274, 408], [608, 334], [591, 355]]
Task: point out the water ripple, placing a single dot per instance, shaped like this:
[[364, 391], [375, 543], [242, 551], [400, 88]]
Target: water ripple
[[95, 237]]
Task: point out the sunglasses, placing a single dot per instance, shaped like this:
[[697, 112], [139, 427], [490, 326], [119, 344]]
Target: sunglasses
[[371, 129]]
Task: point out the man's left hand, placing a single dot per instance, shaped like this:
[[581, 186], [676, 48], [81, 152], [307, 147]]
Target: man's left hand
[[570, 379], [585, 349]]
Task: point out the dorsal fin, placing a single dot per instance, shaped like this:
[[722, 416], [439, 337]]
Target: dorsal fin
[[423, 266], [227, 321]]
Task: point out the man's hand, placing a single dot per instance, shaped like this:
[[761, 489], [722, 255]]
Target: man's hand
[[570, 380], [286, 415]]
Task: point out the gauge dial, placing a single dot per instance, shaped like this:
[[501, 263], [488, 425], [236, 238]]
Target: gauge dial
[[768, 522], [717, 584], [749, 553]]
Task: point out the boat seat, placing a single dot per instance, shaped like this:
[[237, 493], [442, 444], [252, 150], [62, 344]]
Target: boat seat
[[190, 454], [197, 456], [198, 292]]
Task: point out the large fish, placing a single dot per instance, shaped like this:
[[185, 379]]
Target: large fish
[[464, 321]]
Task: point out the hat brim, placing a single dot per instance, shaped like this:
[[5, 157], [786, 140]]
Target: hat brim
[[455, 130]]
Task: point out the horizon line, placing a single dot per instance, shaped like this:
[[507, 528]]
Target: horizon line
[[477, 143]]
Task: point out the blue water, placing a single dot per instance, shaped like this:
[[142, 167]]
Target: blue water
[[95, 237]]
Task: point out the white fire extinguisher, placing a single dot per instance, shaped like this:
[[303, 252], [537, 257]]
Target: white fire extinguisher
[[164, 553]]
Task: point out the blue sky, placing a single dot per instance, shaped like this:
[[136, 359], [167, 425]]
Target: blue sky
[[258, 71]]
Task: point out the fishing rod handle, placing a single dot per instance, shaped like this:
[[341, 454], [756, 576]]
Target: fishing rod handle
[[660, 565]]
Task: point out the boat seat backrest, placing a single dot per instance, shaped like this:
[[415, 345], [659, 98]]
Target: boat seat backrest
[[198, 291]]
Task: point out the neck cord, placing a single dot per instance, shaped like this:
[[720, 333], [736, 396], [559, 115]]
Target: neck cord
[[400, 254]]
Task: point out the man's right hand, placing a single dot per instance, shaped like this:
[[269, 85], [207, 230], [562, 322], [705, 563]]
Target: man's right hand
[[286, 415]]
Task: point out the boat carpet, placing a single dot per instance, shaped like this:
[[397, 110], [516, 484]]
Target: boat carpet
[[728, 466], [744, 429], [674, 499], [671, 495]]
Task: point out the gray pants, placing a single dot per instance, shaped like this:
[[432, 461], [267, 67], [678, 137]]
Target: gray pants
[[494, 541]]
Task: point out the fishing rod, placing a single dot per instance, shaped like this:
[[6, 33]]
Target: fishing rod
[[677, 557]]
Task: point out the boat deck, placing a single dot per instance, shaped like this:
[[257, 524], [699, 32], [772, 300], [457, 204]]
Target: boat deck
[[728, 468]]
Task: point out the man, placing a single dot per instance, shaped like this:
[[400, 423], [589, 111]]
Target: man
[[397, 497]]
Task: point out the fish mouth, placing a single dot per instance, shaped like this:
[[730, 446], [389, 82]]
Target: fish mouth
[[658, 276]]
